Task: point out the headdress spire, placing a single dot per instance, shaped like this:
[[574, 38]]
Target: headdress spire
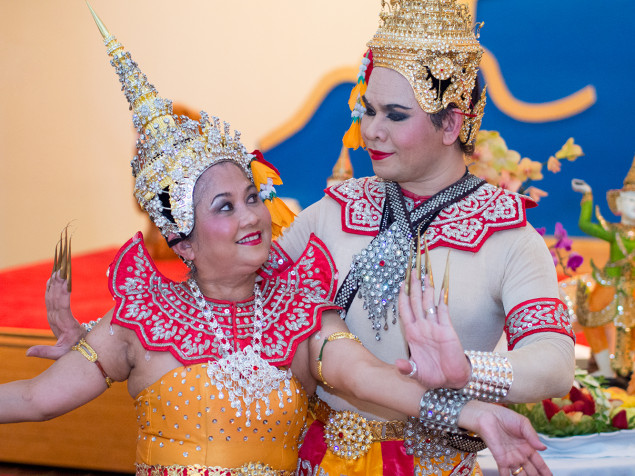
[[172, 151], [102, 28]]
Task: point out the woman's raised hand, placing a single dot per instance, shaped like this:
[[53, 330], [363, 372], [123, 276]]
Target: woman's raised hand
[[58, 306], [435, 348]]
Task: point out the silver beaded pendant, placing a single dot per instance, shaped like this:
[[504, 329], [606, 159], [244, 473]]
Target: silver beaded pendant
[[244, 374], [247, 377], [380, 268]]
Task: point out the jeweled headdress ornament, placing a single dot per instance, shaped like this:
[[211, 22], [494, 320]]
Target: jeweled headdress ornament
[[431, 42], [173, 151]]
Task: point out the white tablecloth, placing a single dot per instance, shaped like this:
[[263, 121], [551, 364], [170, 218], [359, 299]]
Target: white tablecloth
[[602, 454]]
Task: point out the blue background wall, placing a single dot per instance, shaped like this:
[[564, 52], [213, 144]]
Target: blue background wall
[[546, 50]]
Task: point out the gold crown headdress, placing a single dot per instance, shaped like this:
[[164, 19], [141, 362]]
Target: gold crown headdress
[[173, 151], [629, 186], [431, 42]]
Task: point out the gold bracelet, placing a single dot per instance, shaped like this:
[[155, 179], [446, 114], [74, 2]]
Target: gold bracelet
[[87, 351], [334, 336]]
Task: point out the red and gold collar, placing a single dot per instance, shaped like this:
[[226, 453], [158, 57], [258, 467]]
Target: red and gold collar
[[464, 225], [165, 317]]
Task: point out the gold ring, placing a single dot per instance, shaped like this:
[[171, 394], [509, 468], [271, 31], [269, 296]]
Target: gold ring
[[519, 470]]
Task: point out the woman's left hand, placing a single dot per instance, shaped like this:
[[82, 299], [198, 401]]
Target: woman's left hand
[[509, 436], [435, 347]]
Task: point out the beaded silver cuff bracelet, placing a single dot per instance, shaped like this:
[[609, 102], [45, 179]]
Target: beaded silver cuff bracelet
[[440, 409], [436, 432], [491, 378], [423, 442]]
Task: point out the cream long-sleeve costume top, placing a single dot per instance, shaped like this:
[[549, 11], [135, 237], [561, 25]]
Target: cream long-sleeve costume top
[[502, 279]]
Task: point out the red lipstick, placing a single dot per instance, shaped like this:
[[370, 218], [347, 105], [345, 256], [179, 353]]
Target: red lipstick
[[251, 239], [378, 154]]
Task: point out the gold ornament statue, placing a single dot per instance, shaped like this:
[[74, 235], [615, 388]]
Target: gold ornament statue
[[610, 300]]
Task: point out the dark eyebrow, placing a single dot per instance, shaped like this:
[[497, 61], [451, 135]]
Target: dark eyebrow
[[228, 194], [220, 195], [388, 107]]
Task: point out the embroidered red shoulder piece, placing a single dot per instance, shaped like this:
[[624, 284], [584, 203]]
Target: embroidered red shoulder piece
[[362, 202], [464, 225], [165, 317]]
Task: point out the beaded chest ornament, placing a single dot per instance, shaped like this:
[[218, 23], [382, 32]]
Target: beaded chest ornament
[[244, 374], [378, 270]]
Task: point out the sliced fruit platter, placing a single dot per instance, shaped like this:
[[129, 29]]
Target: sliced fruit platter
[[588, 408]]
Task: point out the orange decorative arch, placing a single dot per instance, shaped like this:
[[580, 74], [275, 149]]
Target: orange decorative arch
[[527, 112], [306, 111], [498, 91]]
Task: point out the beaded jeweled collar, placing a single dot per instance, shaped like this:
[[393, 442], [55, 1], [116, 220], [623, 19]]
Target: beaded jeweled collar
[[464, 225], [166, 317]]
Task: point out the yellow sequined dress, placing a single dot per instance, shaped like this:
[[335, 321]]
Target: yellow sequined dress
[[187, 424], [183, 422]]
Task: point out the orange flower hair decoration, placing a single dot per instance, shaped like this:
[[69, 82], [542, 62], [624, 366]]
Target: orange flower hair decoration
[[353, 137], [265, 177]]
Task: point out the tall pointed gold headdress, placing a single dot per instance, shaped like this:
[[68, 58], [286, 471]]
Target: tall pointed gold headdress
[[173, 151], [433, 44]]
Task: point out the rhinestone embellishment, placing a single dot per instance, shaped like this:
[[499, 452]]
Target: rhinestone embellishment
[[244, 374], [347, 435], [380, 268]]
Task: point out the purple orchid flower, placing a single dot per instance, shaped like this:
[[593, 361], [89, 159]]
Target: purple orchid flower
[[574, 261], [563, 241], [541, 231]]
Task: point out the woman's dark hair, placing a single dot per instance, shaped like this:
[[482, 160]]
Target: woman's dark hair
[[166, 211], [438, 117]]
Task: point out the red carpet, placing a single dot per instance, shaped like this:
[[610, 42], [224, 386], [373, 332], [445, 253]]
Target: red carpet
[[22, 289]]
